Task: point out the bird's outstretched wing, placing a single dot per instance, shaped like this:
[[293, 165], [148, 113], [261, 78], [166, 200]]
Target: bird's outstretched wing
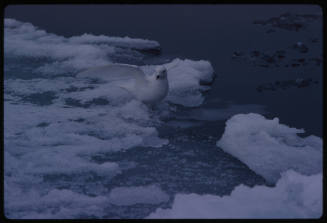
[[114, 72]]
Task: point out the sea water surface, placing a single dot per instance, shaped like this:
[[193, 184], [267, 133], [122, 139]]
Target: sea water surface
[[77, 148]]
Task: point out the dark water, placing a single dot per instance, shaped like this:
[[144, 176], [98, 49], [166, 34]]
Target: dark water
[[209, 32]]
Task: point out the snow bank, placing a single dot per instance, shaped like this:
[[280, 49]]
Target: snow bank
[[150, 194], [270, 148], [294, 196]]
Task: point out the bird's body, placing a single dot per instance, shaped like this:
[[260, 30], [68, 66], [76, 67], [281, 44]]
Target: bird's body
[[147, 88]]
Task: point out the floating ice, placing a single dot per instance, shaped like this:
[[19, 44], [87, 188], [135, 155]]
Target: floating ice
[[69, 54], [150, 194], [53, 142], [56, 203], [54, 128], [270, 148], [294, 196]]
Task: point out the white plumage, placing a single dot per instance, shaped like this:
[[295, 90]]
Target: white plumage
[[147, 88]]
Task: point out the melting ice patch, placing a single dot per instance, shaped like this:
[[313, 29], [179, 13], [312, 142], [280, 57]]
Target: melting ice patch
[[270, 148], [54, 127], [294, 196]]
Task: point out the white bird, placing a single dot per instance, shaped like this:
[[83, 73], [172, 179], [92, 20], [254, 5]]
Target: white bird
[[147, 88]]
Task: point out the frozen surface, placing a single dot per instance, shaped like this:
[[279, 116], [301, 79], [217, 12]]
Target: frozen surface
[[57, 203], [150, 194], [67, 55], [57, 124], [294, 196], [79, 147], [270, 148]]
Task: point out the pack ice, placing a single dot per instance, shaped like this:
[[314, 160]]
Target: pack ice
[[55, 124], [273, 150], [270, 148]]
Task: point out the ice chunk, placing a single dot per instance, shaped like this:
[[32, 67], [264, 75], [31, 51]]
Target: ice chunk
[[294, 196], [150, 194], [270, 148], [185, 78]]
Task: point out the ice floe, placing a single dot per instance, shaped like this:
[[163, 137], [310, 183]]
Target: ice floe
[[69, 54], [55, 122], [294, 196], [270, 148], [274, 151]]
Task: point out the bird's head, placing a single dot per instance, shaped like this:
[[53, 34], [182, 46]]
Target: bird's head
[[160, 73]]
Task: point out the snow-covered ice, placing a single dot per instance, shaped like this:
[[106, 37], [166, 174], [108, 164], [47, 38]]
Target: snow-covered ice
[[294, 196], [274, 151], [270, 148], [67, 54], [55, 123], [184, 77]]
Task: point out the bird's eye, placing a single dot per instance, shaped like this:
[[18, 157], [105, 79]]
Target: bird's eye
[[157, 77]]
